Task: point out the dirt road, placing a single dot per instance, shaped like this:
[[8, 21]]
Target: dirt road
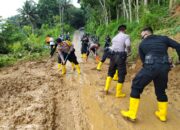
[[35, 96]]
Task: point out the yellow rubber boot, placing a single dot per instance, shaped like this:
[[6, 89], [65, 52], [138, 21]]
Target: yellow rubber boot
[[162, 112], [59, 66], [63, 69], [133, 108], [85, 57], [119, 93], [78, 68], [99, 66], [108, 82], [73, 65], [115, 78]]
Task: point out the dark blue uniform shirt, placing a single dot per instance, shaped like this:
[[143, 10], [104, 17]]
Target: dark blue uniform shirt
[[157, 46]]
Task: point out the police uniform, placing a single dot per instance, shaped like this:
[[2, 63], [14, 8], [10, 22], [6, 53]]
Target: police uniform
[[118, 61], [153, 54], [84, 47], [66, 52], [93, 47], [107, 42], [50, 40], [107, 54]]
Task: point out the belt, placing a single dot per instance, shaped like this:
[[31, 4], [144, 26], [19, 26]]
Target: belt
[[119, 52], [149, 59]]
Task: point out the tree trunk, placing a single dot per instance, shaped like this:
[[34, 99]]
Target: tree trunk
[[130, 10], [109, 14], [171, 3], [117, 12], [62, 19], [125, 10], [137, 10], [145, 2], [103, 5]]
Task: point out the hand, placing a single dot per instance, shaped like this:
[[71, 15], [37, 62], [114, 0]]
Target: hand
[[63, 62], [129, 54], [69, 52]]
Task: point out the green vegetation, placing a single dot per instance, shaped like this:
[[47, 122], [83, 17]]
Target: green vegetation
[[136, 15], [22, 37]]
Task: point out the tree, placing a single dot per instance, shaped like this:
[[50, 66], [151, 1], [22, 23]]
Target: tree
[[76, 17], [46, 10], [125, 11], [171, 3], [104, 11], [137, 11], [8, 35], [63, 13], [29, 14], [130, 10]]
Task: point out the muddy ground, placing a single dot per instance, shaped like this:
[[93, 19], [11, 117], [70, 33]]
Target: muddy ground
[[35, 96]]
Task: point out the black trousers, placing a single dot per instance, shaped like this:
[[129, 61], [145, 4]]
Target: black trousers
[[118, 61], [72, 57], [93, 51], [53, 49], [107, 54], [84, 48], [158, 73]]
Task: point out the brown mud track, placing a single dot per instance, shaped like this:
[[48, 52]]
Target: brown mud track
[[35, 96]]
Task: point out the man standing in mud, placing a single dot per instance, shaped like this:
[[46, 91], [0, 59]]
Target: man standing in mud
[[107, 41], [107, 52], [84, 48], [120, 48], [154, 56], [66, 52], [50, 41]]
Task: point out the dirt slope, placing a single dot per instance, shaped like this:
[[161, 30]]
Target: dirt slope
[[34, 96]]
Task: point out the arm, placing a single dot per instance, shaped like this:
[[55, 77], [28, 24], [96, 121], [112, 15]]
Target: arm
[[141, 54], [174, 45], [71, 49], [60, 54], [128, 45]]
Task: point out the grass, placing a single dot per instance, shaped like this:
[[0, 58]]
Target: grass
[[10, 59]]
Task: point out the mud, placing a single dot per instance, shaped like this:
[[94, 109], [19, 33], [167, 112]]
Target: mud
[[35, 96]]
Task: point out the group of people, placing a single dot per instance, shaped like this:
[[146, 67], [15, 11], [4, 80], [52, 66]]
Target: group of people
[[89, 45], [156, 66], [153, 54]]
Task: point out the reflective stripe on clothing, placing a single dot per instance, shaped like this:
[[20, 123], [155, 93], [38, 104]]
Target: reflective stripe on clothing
[[120, 42], [65, 46]]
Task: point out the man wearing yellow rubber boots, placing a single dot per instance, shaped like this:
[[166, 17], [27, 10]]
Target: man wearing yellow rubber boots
[[120, 43], [60, 64], [66, 52], [84, 47], [153, 54], [107, 54], [93, 47]]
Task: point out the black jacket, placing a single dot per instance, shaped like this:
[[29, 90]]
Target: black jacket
[[157, 46]]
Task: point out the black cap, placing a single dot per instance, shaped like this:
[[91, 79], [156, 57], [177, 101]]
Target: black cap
[[122, 27], [148, 29]]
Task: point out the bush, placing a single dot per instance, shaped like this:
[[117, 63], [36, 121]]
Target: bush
[[6, 60]]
